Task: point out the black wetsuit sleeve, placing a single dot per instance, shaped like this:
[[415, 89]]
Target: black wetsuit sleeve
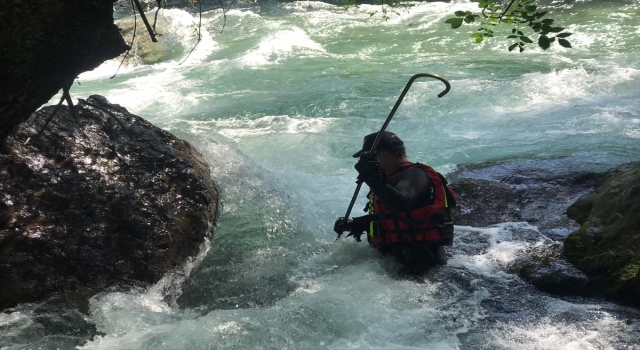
[[404, 191]]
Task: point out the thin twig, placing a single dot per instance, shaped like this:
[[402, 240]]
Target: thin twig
[[505, 11], [46, 122], [133, 38], [108, 113], [155, 18], [224, 15], [199, 34], [146, 22], [67, 96]]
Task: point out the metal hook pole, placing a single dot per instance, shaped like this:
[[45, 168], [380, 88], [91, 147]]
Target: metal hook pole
[[386, 123]]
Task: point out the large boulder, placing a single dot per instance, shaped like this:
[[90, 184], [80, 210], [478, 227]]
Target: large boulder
[[607, 247], [104, 199]]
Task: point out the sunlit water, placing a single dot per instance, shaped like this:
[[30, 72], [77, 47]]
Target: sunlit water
[[279, 101]]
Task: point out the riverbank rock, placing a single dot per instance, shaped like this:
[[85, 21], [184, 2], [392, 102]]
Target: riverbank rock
[[602, 244], [534, 191], [607, 247], [97, 201]]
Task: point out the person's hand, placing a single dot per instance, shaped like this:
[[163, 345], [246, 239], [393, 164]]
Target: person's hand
[[342, 224], [356, 234], [369, 170]]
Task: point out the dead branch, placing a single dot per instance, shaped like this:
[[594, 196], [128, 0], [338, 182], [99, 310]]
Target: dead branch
[[133, 38], [146, 22], [199, 33], [46, 123]]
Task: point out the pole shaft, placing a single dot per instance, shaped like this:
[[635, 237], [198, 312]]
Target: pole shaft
[[388, 120]]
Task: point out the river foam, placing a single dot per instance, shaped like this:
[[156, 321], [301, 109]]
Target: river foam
[[277, 104]]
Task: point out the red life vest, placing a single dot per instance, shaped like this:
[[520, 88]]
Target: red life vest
[[421, 224]]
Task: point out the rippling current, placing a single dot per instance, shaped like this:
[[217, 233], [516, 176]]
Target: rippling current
[[277, 102]]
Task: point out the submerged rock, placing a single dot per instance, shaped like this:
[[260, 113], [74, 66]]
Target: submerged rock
[[143, 49], [97, 201]]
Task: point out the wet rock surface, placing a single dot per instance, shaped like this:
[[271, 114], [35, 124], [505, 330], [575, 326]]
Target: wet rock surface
[[607, 246], [97, 201], [534, 191], [546, 268]]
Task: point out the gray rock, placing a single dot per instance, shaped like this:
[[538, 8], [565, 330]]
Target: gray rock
[[536, 191], [546, 268], [90, 204]]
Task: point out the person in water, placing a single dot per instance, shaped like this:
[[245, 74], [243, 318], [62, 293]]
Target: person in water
[[409, 209]]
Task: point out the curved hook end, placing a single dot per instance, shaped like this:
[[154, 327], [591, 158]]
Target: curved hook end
[[446, 91]]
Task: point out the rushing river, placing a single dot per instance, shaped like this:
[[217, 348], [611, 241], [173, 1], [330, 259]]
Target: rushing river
[[279, 100]]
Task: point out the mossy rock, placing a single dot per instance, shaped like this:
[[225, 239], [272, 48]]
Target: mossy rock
[[609, 251], [143, 49]]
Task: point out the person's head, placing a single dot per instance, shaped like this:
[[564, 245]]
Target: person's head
[[390, 151]]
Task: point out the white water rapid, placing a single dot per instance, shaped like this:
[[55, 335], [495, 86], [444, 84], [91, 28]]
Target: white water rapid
[[279, 100]]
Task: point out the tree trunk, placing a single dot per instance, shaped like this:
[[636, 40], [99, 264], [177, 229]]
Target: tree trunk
[[44, 45]]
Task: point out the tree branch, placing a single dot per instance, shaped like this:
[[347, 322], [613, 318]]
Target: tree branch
[[133, 38], [505, 11], [199, 33], [146, 22]]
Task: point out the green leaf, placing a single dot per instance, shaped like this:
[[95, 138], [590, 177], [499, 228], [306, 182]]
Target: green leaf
[[513, 30], [556, 29], [564, 43], [563, 35], [521, 48], [460, 13], [478, 37], [552, 39], [526, 39], [544, 42], [530, 8], [520, 33], [541, 14], [469, 19], [547, 21], [512, 36], [513, 46], [455, 22]]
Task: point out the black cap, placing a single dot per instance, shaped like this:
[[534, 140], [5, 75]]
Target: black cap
[[388, 142]]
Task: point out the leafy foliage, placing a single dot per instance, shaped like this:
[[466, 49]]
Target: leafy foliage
[[519, 14]]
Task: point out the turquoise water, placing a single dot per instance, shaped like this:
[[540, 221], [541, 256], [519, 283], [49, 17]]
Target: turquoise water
[[279, 101]]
